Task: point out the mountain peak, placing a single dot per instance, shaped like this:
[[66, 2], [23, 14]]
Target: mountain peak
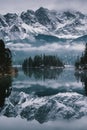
[[42, 15], [69, 14], [10, 18], [28, 17], [73, 14], [65, 24], [30, 11], [42, 9]]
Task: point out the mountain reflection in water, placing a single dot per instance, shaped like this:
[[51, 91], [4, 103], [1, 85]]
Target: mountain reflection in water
[[45, 95], [43, 76]]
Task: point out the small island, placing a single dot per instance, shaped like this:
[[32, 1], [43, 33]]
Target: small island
[[81, 62], [45, 61]]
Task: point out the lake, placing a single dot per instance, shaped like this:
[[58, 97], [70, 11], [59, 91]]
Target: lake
[[35, 99]]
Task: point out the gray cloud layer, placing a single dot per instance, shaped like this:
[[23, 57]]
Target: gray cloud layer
[[21, 5]]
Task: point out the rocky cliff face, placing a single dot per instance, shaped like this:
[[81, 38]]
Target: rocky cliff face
[[68, 24]]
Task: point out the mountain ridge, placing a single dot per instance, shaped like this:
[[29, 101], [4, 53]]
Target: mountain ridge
[[67, 24]]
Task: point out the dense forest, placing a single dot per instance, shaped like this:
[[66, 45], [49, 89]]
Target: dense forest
[[81, 62], [44, 61]]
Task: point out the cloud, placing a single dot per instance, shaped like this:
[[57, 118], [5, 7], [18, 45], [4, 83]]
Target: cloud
[[21, 5], [45, 48], [80, 5]]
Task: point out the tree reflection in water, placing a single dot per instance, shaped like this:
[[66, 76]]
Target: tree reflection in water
[[82, 76], [46, 75], [43, 74], [5, 88]]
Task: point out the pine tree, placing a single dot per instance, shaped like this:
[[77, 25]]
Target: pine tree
[[42, 61], [81, 63], [5, 58]]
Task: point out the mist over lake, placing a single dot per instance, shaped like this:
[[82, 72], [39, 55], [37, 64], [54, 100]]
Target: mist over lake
[[42, 94]]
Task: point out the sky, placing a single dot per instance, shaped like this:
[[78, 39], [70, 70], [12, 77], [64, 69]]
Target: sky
[[18, 6]]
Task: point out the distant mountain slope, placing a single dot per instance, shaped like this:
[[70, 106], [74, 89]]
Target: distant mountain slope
[[81, 39], [30, 24]]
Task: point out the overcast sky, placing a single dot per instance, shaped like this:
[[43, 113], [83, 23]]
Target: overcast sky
[[22, 5]]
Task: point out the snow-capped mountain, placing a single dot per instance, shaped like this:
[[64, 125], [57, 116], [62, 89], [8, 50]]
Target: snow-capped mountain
[[29, 24], [44, 31]]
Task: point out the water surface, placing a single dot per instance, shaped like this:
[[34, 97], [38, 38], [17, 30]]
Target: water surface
[[44, 99]]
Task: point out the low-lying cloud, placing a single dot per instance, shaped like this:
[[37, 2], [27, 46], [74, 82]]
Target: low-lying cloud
[[21, 5], [47, 47]]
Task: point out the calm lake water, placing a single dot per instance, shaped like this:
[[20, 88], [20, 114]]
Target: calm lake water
[[35, 99]]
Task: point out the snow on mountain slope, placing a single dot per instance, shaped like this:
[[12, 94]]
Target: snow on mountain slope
[[66, 24], [39, 31]]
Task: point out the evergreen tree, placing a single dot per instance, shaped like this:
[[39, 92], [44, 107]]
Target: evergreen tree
[[30, 62], [81, 63], [85, 55], [42, 61], [5, 58]]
